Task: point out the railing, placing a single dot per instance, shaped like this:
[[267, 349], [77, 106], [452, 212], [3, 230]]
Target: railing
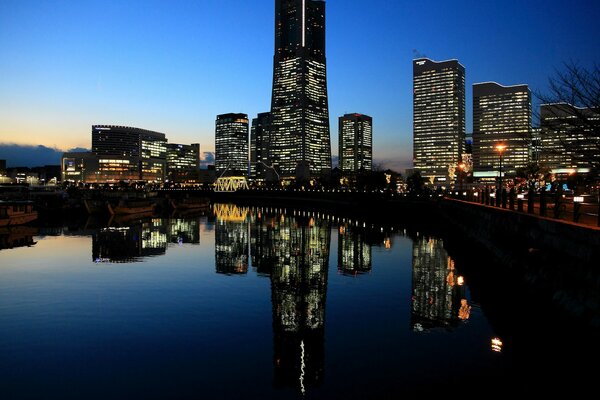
[[583, 209]]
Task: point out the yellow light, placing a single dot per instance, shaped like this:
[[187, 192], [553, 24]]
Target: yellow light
[[497, 345], [500, 147], [460, 281]]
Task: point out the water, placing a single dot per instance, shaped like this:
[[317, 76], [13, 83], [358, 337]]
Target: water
[[245, 303]]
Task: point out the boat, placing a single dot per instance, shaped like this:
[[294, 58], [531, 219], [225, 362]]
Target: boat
[[128, 207], [189, 203], [16, 213]]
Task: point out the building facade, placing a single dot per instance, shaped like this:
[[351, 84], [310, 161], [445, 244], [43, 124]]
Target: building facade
[[569, 138], [128, 154], [183, 162], [355, 143], [231, 145], [438, 119], [300, 112], [260, 146], [79, 167], [501, 117]]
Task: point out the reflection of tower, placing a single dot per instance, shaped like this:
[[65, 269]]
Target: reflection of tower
[[128, 244], [231, 239], [354, 253], [184, 231], [296, 251], [436, 294], [117, 244]]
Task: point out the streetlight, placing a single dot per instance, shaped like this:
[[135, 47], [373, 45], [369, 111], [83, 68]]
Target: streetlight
[[500, 149]]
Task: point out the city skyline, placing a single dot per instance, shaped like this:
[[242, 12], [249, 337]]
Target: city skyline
[[169, 68]]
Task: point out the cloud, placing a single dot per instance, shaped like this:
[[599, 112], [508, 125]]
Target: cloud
[[17, 155], [207, 158]]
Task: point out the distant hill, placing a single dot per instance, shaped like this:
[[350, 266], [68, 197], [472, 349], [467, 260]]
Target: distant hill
[[17, 155]]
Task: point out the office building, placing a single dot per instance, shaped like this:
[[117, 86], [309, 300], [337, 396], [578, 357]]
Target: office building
[[183, 162], [231, 145], [570, 138], [355, 143], [501, 117], [438, 119], [129, 154], [79, 167], [2, 167], [300, 112], [260, 145]]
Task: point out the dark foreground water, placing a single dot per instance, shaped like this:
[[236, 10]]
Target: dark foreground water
[[255, 303]]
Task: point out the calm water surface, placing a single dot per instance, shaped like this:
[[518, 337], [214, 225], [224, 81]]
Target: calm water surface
[[243, 303]]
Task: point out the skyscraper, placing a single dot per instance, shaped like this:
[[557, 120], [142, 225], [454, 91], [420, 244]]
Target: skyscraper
[[570, 138], [260, 145], [231, 145], [126, 153], [438, 119], [356, 143], [501, 116], [183, 161], [300, 127]]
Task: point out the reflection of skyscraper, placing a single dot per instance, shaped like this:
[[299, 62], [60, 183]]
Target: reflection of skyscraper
[[184, 231], [299, 107], [129, 244], [436, 294], [296, 251], [354, 253], [231, 239]]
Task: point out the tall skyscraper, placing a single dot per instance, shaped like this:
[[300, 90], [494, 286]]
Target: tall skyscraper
[[501, 117], [126, 153], [356, 143], [260, 145], [438, 119], [570, 138], [183, 161], [231, 145], [300, 128]]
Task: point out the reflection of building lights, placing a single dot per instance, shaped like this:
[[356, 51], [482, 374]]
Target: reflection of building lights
[[460, 281], [465, 310], [388, 243], [497, 345]]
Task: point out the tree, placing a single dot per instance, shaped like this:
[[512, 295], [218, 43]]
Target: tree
[[570, 115], [415, 182], [531, 174]]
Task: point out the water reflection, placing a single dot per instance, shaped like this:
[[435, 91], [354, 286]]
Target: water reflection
[[354, 252], [145, 238], [294, 251], [436, 300], [231, 239], [17, 236]]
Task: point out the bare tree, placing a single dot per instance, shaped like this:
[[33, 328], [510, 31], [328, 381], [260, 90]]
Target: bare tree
[[570, 116]]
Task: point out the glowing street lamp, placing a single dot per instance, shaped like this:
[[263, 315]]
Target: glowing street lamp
[[500, 149]]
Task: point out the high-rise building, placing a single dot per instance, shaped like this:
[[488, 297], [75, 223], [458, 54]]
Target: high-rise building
[[183, 161], [356, 143], [438, 119], [2, 167], [260, 145], [231, 145], [126, 153], [300, 112], [501, 117], [570, 138]]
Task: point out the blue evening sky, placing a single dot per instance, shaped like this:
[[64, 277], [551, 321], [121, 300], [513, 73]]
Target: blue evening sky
[[172, 66]]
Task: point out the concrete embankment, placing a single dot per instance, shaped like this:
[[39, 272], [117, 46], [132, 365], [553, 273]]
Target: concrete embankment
[[554, 258]]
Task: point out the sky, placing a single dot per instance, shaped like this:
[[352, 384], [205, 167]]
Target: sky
[[172, 66]]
